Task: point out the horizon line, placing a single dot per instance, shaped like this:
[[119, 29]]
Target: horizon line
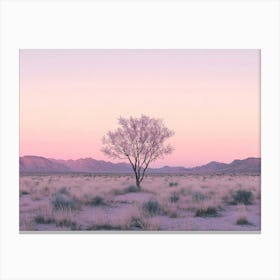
[[150, 167]]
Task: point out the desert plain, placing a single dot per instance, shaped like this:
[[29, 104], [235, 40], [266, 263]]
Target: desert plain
[[165, 202]]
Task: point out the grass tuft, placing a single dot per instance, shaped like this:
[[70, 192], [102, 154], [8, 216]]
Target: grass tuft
[[173, 184], [174, 197], [152, 208], [137, 223], [96, 201], [39, 219], [208, 212], [63, 190], [242, 197], [66, 223], [24, 192], [104, 227], [63, 201], [129, 189], [132, 188], [198, 196], [242, 222]]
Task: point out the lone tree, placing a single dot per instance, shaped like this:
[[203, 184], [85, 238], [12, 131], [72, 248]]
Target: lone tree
[[140, 140]]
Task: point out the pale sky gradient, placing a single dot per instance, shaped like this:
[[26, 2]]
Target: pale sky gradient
[[69, 99]]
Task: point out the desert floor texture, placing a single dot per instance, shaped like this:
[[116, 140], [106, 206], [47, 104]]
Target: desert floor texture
[[90, 202]]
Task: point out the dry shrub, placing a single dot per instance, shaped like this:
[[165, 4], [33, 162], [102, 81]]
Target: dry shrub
[[152, 208], [207, 212], [129, 189], [62, 200], [242, 215], [65, 218], [194, 193], [242, 197], [141, 223], [174, 197]]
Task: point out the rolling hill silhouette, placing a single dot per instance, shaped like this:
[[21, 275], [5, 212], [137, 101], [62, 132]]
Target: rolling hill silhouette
[[38, 164]]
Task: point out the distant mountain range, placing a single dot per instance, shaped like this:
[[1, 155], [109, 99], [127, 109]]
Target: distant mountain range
[[37, 164]]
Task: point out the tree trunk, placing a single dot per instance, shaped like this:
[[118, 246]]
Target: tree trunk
[[138, 183]]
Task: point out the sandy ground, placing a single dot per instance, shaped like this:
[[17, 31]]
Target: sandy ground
[[165, 203]]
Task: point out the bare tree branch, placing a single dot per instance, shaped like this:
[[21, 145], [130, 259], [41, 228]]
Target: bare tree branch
[[140, 140]]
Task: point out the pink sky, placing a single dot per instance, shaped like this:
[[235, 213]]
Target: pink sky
[[211, 98]]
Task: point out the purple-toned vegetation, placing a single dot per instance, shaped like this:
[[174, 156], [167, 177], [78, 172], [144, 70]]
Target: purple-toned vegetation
[[112, 202]]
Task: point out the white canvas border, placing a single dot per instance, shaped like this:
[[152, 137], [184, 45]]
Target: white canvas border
[[140, 24]]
